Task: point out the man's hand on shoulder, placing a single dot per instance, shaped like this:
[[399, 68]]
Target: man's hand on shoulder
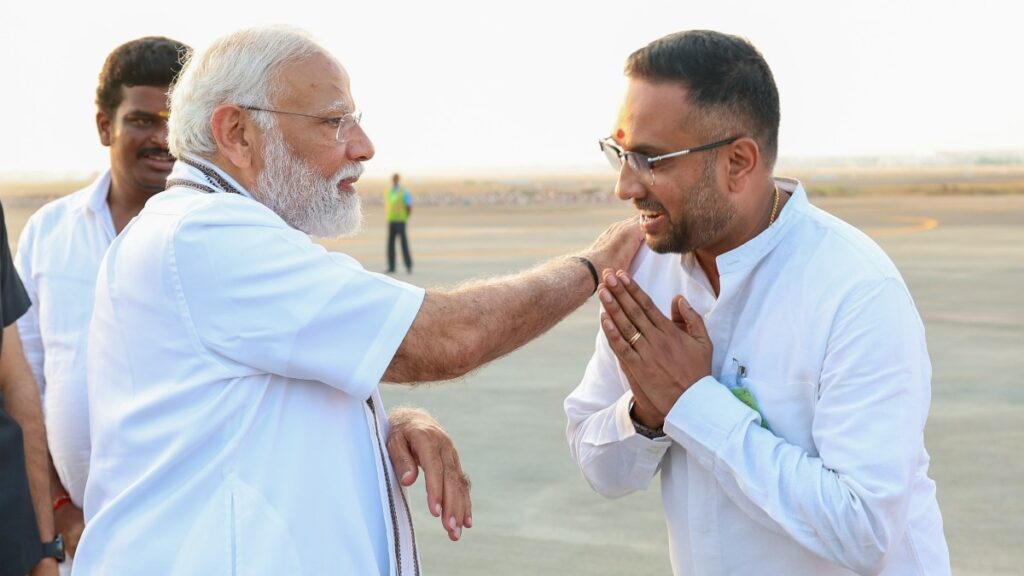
[[416, 441], [617, 245]]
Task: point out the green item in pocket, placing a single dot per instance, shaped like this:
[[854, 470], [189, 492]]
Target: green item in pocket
[[747, 398]]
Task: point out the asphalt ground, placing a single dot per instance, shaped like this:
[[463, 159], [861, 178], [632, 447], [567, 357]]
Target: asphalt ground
[[962, 256]]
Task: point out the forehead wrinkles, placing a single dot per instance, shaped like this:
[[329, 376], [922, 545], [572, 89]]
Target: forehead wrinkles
[[316, 83]]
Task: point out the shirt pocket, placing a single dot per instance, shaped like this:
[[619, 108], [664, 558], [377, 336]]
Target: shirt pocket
[[789, 408]]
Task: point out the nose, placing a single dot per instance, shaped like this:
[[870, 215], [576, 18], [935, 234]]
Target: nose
[[358, 146], [159, 134], [629, 186]]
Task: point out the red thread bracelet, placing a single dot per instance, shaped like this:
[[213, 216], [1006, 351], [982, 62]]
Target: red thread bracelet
[[60, 501]]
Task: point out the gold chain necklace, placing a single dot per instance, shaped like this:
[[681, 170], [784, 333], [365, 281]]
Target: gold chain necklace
[[775, 206]]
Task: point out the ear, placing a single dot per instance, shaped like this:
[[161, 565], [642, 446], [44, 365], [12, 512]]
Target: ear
[[104, 126], [744, 156], [236, 136]]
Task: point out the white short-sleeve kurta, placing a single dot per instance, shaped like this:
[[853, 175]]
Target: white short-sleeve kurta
[[816, 322], [239, 429]]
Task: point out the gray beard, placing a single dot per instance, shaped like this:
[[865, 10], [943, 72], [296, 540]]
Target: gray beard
[[305, 200]]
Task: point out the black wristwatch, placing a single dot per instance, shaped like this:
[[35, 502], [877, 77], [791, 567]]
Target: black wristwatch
[[54, 549]]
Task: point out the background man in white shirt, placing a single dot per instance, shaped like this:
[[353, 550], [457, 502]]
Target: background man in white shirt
[[773, 366], [240, 428], [61, 247]]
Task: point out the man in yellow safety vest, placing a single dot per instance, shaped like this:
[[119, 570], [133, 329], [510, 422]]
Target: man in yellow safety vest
[[398, 205]]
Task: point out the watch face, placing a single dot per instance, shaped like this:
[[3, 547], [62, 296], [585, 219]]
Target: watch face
[[54, 549]]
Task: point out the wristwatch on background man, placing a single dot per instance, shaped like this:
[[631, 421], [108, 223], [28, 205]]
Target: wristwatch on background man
[[54, 549]]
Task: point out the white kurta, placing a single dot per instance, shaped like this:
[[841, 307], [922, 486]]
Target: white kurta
[[235, 432], [59, 253], [832, 347]]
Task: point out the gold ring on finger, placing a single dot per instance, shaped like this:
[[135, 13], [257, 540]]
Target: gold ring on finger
[[636, 336]]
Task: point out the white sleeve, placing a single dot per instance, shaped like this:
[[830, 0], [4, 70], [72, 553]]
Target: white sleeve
[[28, 324], [848, 503], [268, 298], [614, 459]]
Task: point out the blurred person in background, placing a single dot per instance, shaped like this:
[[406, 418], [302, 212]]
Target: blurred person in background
[[398, 206], [61, 247]]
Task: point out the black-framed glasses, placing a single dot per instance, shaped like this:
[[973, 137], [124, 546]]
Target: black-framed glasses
[[642, 164], [341, 123]]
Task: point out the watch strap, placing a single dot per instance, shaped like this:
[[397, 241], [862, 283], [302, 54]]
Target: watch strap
[[645, 431], [54, 549]]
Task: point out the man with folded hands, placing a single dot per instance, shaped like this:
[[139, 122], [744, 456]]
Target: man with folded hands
[[762, 357]]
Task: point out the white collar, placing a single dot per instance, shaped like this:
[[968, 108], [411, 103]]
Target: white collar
[[754, 250], [183, 170], [95, 198]]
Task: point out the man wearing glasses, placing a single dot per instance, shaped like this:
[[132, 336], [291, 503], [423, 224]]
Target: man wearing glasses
[[241, 428], [61, 249], [763, 357]]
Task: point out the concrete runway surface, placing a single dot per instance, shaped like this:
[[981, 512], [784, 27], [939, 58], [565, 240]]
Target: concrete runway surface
[[963, 258]]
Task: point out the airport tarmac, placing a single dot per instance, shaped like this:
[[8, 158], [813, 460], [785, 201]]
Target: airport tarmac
[[963, 258]]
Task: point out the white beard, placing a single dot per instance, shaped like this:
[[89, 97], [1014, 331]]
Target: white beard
[[305, 200]]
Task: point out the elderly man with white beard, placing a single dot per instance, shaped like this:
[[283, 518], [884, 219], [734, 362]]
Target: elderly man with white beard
[[237, 426]]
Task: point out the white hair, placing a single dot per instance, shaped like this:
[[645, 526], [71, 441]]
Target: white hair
[[241, 68]]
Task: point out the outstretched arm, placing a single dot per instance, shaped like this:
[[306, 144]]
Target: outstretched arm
[[459, 330]]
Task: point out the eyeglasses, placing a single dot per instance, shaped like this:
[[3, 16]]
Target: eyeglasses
[[340, 123], [643, 165]]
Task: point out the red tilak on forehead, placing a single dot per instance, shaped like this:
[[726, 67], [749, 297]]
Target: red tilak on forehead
[[619, 134]]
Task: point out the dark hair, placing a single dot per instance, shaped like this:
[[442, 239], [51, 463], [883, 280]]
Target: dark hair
[[150, 61], [727, 79]]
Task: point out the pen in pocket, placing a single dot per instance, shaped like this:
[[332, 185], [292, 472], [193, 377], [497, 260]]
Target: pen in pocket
[[740, 390]]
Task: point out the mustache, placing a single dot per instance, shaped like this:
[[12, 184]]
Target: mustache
[[353, 170], [151, 150], [648, 204]]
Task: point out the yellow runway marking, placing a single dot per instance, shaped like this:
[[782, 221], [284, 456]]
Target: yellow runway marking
[[913, 225]]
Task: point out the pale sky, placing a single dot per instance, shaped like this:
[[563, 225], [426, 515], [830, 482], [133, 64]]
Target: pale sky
[[456, 87]]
